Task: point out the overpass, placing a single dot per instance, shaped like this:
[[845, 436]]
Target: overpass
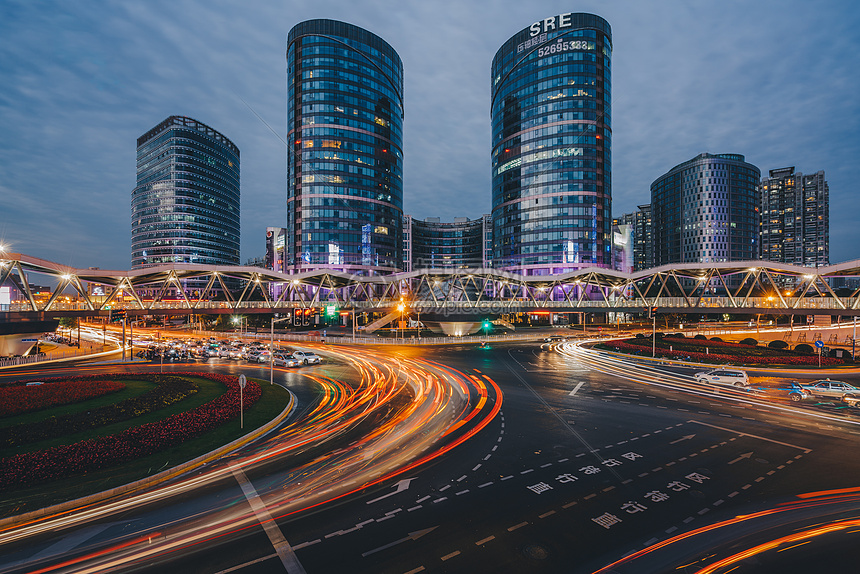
[[753, 287]]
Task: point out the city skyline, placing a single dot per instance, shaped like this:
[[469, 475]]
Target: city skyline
[[82, 83]]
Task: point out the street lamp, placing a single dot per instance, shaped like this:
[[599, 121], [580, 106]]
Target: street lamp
[[238, 321], [272, 348]]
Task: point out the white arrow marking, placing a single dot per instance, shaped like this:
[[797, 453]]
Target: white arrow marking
[[688, 437], [576, 388], [410, 536], [401, 486], [741, 457]]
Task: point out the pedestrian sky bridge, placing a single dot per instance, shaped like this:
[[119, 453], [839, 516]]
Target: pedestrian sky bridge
[[731, 287]]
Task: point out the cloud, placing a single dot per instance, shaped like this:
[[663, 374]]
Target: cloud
[[774, 81]]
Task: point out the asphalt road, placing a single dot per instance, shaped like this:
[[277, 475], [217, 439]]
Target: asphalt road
[[578, 470]]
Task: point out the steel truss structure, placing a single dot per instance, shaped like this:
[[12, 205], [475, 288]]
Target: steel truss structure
[[738, 287]]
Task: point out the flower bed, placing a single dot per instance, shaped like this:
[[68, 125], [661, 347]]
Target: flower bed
[[169, 389], [625, 347], [133, 443], [19, 398]]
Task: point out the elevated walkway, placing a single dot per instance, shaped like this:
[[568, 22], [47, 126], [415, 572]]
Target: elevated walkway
[[380, 323]]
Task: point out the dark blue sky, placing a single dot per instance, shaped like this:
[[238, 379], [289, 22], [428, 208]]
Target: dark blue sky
[[776, 81]]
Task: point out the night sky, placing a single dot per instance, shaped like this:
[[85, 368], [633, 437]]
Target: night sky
[[776, 81]]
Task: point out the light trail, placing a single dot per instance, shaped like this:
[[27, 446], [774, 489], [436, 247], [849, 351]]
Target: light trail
[[393, 416]]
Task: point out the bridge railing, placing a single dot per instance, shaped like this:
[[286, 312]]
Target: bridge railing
[[489, 305]]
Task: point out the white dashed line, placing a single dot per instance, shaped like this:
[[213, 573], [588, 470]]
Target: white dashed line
[[486, 484], [485, 540], [563, 460], [422, 499], [546, 465], [494, 448], [515, 526], [759, 479], [545, 514], [477, 466], [650, 542], [704, 511], [671, 530], [414, 508], [746, 486], [444, 488], [305, 544], [487, 457], [569, 504], [451, 555], [462, 478], [590, 496], [438, 500], [688, 520], [527, 471], [461, 492], [733, 494], [718, 502], [415, 570], [628, 481]]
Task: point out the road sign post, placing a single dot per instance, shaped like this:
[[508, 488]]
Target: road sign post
[[242, 382], [819, 344]]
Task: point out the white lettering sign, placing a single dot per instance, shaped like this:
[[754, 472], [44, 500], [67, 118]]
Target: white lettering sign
[[548, 24]]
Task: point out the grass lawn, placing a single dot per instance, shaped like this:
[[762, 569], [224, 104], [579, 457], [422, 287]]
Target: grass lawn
[[273, 400]]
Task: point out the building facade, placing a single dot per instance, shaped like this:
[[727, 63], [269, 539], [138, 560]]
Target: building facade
[[643, 239], [185, 206], [551, 146], [431, 244], [345, 149], [705, 210], [623, 242], [795, 218]]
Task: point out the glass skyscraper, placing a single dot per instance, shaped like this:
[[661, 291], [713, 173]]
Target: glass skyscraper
[[551, 142], [705, 210], [185, 207], [345, 156]]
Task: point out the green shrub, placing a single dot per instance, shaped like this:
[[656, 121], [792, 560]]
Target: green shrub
[[777, 344], [803, 348], [749, 341], [640, 336], [717, 339], [700, 337]]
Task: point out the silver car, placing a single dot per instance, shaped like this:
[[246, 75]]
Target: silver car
[[730, 377], [827, 389]]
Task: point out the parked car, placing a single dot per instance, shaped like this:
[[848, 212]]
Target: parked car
[[307, 358], [827, 389], [730, 377], [285, 361]]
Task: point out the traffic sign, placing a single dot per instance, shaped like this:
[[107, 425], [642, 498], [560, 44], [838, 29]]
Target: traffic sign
[[819, 343], [242, 381]]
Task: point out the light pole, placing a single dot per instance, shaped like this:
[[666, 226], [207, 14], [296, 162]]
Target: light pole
[[272, 348], [400, 308]]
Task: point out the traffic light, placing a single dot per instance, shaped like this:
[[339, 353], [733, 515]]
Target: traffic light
[[306, 318], [117, 314]]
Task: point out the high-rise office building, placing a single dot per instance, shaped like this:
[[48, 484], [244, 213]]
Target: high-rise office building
[[185, 207], [795, 218], [432, 244], [551, 141], [643, 238], [345, 156], [623, 243], [705, 210]]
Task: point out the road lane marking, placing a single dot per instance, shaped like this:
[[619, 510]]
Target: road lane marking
[[527, 471], [576, 388], [687, 520], [563, 460], [462, 478], [444, 488], [461, 492], [545, 514], [414, 508], [569, 504], [546, 465], [422, 499], [415, 570], [590, 496], [671, 530], [485, 484], [804, 449], [252, 562], [515, 526], [440, 499], [451, 555], [507, 477], [476, 467], [276, 537], [485, 540]]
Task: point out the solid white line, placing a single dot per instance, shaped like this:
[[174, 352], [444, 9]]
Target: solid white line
[[282, 547], [576, 388], [804, 449]]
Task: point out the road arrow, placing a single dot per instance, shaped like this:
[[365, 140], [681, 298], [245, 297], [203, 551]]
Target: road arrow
[[576, 388], [741, 457], [688, 437], [401, 486], [410, 536]]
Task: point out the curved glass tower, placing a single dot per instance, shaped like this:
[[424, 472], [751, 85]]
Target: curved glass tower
[[345, 158], [185, 207], [551, 158], [705, 210]]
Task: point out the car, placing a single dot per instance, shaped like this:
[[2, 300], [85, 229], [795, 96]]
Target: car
[[730, 377], [252, 355], [262, 357], [827, 389], [285, 361], [223, 352], [235, 353], [307, 358]]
